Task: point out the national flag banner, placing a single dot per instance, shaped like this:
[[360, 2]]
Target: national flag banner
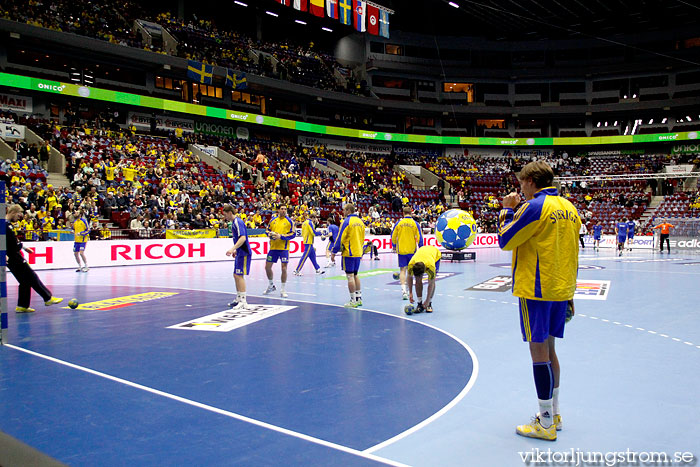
[[345, 11], [200, 72], [300, 5], [360, 15], [373, 20], [284, 2], [317, 7], [384, 23], [236, 80], [332, 9]]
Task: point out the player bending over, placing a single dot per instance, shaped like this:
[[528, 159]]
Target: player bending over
[[425, 261]]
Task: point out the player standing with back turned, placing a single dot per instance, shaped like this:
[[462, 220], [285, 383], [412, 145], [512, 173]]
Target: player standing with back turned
[[543, 235], [406, 237], [351, 236], [621, 232]]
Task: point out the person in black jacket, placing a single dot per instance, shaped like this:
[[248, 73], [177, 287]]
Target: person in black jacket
[[18, 266]]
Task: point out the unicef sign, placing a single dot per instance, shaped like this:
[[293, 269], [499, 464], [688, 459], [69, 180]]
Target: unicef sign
[[686, 148]]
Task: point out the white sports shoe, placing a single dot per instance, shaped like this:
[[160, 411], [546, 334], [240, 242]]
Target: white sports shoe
[[270, 289], [240, 306], [284, 294], [405, 296], [86, 268], [297, 273], [320, 271]]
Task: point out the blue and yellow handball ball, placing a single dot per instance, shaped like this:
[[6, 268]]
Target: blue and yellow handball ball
[[396, 275], [455, 229], [73, 303], [569, 311], [409, 309]]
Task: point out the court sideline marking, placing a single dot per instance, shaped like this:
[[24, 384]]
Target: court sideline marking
[[210, 408], [368, 451]]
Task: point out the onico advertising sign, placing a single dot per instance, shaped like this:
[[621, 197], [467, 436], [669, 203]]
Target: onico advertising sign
[[59, 255]]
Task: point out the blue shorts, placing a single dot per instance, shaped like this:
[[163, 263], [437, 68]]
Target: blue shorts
[[437, 266], [404, 260], [541, 319], [621, 239], [630, 235], [596, 239], [274, 255], [78, 246], [241, 266], [351, 265]]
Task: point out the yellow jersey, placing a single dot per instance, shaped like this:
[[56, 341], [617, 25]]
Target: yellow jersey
[[351, 237], [308, 233], [81, 230], [406, 236], [428, 255], [109, 173], [284, 227], [129, 173], [544, 237]]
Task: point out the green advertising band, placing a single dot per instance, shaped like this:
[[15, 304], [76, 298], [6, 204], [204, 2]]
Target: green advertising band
[[55, 87]]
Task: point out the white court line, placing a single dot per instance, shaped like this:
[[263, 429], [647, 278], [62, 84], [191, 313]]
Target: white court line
[[300, 293], [210, 408], [432, 418]]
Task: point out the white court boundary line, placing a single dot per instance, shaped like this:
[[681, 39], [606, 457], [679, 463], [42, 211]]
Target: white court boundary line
[[210, 408], [403, 434]]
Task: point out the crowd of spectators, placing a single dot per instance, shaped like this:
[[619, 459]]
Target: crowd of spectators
[[146, 184], [198, 39], [99, 20]]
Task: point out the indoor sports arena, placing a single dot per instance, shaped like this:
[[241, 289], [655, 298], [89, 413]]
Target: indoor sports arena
[[340, 232]]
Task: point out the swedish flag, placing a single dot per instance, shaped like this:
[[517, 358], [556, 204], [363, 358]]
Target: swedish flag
[[236, 80], [200, 72]]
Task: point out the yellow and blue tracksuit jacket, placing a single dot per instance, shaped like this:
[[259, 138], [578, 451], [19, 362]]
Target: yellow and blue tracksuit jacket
[[543, 235], [351, 237], [308, 233], [406, 236], [81, 230], [283, 226], [428, 255]]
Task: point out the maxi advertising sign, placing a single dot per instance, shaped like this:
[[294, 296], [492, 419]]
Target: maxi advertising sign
[[19, 104]]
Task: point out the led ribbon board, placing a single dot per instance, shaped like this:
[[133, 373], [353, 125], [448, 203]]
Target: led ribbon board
[[118, 97]]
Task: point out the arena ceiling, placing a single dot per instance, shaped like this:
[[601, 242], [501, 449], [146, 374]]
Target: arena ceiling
[[543, 19]]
